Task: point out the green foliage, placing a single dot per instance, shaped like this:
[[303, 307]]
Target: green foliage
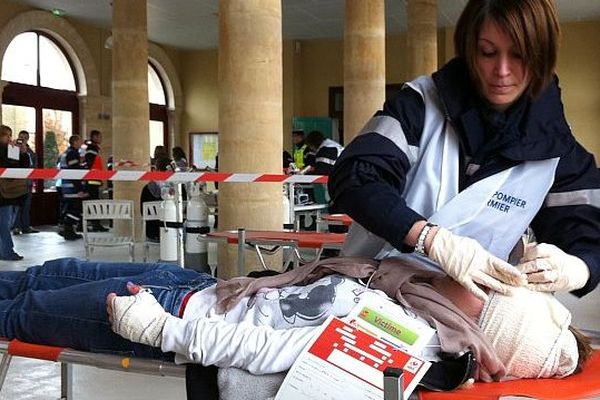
[[50, 150]]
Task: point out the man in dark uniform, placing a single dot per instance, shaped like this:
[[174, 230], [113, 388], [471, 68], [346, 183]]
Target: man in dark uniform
[[93, 160], [73, 191]]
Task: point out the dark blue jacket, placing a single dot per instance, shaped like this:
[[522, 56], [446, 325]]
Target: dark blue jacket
[[368, 179], [72, 160]]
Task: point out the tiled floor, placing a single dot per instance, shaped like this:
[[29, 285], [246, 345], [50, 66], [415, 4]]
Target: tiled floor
[[33, 380]]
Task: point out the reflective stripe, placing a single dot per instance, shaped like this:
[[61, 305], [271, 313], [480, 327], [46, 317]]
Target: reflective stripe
[[325, 160], [72, 162], [575, 198], [74, 217], [390, 128], [91, 152]]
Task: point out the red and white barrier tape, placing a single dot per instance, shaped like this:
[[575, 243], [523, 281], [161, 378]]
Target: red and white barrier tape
[[132, 176]]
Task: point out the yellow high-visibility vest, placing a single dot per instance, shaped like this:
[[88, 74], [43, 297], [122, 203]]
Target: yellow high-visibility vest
[[299, 156]]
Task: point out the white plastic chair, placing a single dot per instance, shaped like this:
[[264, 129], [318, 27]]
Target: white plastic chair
[[108, 209], [150, 212]]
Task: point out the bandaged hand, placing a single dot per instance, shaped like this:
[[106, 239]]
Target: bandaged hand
[[549, 269], [139, 318], [467, 262]]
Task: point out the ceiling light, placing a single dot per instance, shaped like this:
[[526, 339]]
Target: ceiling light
[[57, 12]]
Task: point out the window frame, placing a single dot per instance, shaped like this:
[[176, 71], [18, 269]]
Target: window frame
[[41, 97], [159, 112]]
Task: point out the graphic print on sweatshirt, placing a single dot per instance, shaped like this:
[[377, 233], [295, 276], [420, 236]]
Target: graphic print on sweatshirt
[[305, 305]]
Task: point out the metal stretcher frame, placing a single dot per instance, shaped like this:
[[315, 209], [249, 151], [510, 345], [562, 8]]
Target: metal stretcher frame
[[276, 240], [67, 357], [584, 385], [333, 219]]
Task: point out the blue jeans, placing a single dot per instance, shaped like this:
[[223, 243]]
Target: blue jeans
[[22, 214], [63, 302], [6, 242]]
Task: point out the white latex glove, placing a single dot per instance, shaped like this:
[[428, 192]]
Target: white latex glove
[[549, 269], [468, 263], [139, 318]]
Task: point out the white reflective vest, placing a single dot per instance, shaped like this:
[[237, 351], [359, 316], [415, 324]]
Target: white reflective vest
[[495, 211]]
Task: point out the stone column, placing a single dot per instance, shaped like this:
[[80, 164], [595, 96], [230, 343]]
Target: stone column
[[422, 37], [364, 63], [174, 122], [3, 84], [250, 117], [130, 94]]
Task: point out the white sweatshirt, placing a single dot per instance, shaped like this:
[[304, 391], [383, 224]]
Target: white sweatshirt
[[264, 333]]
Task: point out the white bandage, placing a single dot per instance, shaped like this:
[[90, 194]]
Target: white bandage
[[530, 332], [139, 318]]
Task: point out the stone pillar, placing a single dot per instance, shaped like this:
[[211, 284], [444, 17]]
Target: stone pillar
[[422, 37], [250, 118], [3, 84], [130, 94], [364, 63], [174, 123]]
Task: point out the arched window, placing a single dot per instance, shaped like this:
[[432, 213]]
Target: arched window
[[158, 109], [41, 96]]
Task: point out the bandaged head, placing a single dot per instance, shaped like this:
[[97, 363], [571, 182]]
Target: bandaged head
[[530, 333]]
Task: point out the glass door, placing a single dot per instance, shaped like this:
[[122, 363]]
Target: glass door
[[58, 128]]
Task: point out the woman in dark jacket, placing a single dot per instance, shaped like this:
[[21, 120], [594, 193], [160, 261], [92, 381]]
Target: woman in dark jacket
[[458, 165]]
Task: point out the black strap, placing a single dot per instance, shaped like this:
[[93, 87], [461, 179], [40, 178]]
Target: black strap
[[202, 230], [450, 372], [201, 382], [170, 224]]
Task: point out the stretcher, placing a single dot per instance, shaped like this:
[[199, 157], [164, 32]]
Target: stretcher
[[333, 219], [269, 242], [584, 385], [68, 357]]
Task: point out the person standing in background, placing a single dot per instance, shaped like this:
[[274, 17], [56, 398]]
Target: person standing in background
[[301, 150], [180, 159], [22, 222], [12, 191], [326, 153], [93, 160], [73, 191], [160, 152]]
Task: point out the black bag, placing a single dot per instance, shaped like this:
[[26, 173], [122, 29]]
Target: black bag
[[12, 188]]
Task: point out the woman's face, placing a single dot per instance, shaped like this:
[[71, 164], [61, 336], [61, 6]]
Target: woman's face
[[502, 74]]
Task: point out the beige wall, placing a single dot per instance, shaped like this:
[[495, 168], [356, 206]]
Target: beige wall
[[94, 38], [198, 74], [579, 73], [8, 10], [320, 67], [289, 89]]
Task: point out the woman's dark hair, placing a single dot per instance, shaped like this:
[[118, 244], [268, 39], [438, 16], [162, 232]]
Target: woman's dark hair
[[160, 152], [531, 24], [584, 348], [162, 163], [178, 153]]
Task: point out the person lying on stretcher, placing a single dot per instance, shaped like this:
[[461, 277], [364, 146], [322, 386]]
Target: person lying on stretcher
[[160, 309]]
